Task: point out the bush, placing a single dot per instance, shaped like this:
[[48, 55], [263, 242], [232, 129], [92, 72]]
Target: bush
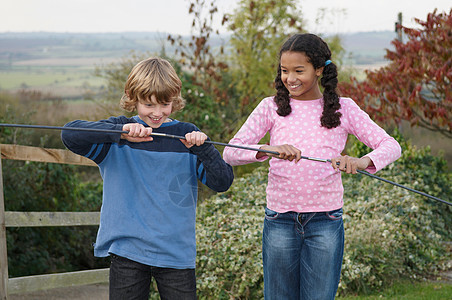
[[30, 186], [229, 228], [390, 233]]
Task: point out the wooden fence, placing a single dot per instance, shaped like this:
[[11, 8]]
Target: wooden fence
[[33, 219]]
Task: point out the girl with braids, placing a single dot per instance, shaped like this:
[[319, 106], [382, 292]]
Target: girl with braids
[[303, 235]]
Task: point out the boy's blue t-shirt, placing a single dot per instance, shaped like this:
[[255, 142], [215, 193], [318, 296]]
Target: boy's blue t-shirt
[[148, 211]]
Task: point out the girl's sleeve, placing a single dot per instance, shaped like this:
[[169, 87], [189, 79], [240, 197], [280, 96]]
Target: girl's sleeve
[[252, 131], [385, 148]]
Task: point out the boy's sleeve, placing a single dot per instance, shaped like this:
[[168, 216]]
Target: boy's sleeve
[[212, 170], [87, 143]]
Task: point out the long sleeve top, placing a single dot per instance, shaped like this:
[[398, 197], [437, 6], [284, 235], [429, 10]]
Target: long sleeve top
[[309, 186], [149, 190]]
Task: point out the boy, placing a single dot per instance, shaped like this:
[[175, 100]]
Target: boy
[[148, 212]]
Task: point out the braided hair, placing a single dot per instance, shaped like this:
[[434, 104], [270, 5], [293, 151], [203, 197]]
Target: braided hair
[[318, 53]]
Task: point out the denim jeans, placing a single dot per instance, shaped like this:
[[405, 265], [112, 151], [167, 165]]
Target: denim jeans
[[132, 280], [302, 254]]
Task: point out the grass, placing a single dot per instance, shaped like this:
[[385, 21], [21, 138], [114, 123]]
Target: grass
[[433, 290]]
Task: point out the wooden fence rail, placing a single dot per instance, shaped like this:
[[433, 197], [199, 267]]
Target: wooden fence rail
[[17, 285]]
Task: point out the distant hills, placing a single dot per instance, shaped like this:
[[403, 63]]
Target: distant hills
[[364, 47], [41, 45], [368, 47]]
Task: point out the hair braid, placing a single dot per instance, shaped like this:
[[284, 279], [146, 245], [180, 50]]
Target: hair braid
[[282, 98], [330, 118]]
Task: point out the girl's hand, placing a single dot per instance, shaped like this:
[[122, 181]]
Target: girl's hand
[[137, 133], [194, 138], [350, 164], [287, 152]]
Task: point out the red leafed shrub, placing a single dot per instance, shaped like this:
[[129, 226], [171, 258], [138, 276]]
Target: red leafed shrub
[[416, 84]]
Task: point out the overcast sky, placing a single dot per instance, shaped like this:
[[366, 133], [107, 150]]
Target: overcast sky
[[171, 16]]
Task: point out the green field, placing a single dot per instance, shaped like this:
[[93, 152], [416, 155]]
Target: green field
[[44, 77], [57, 82]]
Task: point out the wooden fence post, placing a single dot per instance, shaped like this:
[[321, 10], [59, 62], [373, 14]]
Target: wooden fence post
[[3, 253]]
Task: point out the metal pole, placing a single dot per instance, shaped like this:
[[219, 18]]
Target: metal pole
[[120, 131], [396, 184], [222, 144]]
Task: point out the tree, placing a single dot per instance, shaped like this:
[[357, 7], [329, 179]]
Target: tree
[[415, 85], [206, 78], [259, 28], [196, 53]]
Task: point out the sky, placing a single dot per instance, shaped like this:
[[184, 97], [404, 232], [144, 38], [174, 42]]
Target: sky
[[171, 16]]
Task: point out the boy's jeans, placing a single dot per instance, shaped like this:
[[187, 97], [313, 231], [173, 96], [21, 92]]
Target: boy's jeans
[[302, 254], [132, 280]]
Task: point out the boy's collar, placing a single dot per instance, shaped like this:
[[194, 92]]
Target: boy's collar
[[138, 120]]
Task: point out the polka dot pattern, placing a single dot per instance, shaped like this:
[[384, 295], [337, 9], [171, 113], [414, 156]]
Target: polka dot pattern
[[309, 186]]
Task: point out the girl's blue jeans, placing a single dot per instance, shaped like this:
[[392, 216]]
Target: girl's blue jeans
[[130, 280], [302, 254]]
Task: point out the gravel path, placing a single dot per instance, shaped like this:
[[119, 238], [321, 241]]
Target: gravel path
[[87, 292]]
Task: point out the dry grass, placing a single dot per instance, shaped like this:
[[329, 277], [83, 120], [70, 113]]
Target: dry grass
[[60, 112], [420, 137]]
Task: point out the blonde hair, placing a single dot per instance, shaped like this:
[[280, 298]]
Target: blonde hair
[[152, 76]]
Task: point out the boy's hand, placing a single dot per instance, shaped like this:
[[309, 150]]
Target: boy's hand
[[137, 133], [194, 138]]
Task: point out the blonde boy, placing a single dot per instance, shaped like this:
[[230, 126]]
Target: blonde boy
[[148, 211]]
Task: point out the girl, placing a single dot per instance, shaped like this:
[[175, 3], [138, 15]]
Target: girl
[[303, 235]]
